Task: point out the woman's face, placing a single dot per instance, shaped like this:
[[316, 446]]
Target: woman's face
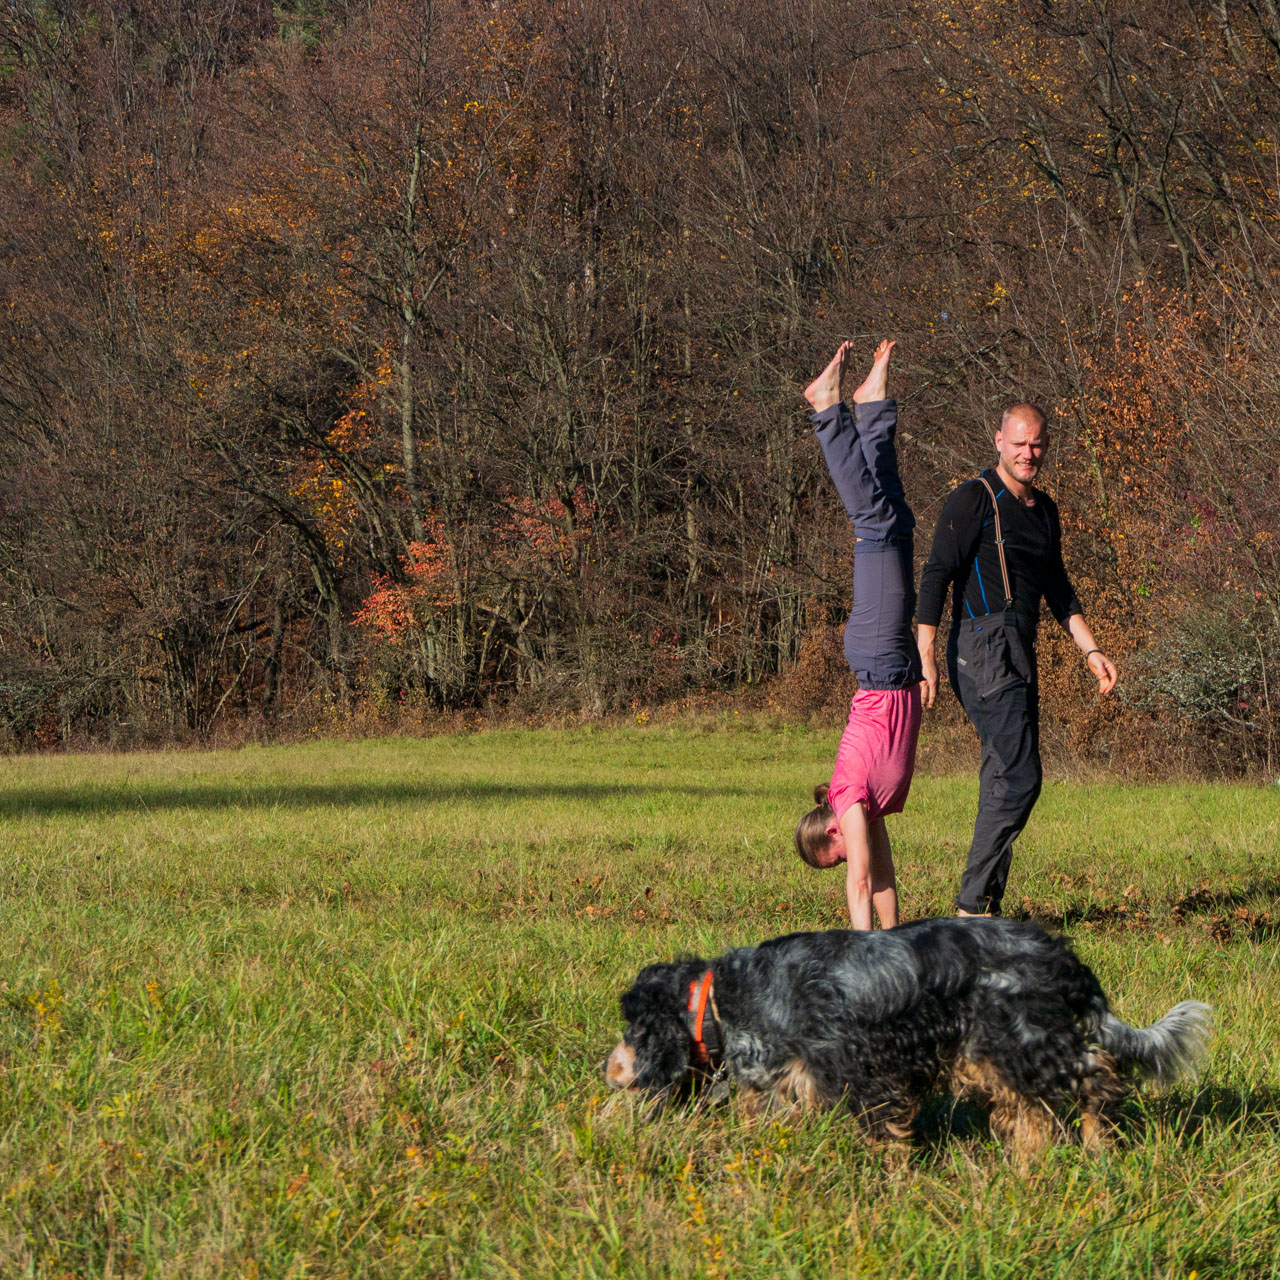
[[835, 852]]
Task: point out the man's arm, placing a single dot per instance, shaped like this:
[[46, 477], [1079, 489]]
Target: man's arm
[[1102, 667], [955, 539], [1062, 600], [925, 636]]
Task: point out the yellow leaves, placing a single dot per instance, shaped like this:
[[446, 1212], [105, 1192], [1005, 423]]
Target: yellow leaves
[[332, 506], [47, 1007], [117, 1108]]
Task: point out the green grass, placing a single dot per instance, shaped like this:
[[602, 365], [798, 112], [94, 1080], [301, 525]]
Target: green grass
[[340, 1010]]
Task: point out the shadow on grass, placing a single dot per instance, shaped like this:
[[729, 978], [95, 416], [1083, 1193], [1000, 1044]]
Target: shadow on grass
[[1121, 915], [41, 802], [945, 1120], [1186, 1117], [1190, 1113], [1189, 1116], [1225, 899], [1226, 913]]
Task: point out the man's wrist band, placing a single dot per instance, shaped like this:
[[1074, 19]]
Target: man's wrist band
[[1090, 654]]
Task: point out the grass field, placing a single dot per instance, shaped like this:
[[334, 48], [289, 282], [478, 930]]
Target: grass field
[[340, 1010]]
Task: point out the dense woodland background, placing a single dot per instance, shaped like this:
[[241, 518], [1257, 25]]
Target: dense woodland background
[[364, 359]]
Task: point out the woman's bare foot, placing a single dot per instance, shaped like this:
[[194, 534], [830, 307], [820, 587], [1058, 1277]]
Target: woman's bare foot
[[875, 385], [824, 390]]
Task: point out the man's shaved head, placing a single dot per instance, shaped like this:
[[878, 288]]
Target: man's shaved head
[[1024, 409]]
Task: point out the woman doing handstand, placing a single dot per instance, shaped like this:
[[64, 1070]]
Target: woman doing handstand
[[877, 752]]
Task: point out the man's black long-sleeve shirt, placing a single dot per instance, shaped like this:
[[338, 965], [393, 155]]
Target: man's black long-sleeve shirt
[[964, 553]]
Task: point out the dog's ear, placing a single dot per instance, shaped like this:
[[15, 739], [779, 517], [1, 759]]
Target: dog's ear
[[654, 1010], [662, 987], [664, 1053], [657, 986]]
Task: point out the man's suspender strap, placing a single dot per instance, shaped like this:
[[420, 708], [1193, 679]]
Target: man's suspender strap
[[1004, 568]]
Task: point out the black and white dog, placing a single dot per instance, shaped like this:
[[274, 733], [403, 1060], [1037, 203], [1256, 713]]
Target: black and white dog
[[994, 1009]]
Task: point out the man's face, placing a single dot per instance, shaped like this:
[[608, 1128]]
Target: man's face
[[1022, 444]]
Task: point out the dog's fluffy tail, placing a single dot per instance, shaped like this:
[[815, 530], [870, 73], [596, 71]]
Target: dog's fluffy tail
[[1167, 1049]]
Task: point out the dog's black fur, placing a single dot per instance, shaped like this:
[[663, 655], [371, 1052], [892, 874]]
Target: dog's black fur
[[988, 1007]]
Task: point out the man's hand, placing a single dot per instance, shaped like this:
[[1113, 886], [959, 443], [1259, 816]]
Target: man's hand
[[929, 685], [928, 664], [1104, 669]]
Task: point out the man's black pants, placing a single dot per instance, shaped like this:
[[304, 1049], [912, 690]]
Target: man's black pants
[[992, 665]]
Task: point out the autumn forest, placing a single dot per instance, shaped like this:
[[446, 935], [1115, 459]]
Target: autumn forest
[[360, 356]]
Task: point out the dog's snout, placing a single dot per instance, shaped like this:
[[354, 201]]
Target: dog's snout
[[620, 1067]]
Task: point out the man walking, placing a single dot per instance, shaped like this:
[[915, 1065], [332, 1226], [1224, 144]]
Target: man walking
[[998, 543]]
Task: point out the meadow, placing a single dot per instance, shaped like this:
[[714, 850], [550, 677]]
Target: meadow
[[340, 1010]]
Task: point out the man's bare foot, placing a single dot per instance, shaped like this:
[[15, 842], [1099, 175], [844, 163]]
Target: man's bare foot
[[875, 385], [824, 390]]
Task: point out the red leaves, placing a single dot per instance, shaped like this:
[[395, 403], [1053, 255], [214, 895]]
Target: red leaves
[[533, 541]]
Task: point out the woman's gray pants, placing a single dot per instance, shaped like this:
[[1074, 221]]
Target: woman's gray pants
[[863, 462]]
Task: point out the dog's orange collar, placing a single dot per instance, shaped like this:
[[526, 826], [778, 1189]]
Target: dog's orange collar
[[700, 993]]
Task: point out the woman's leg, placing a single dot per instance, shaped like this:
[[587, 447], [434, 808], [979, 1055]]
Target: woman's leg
[[864, 472], [879, 645], [876, 419], [875, 425], [823, 392], [838, 437]]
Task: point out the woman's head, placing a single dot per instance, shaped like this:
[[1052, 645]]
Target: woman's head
[[813, 831]]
